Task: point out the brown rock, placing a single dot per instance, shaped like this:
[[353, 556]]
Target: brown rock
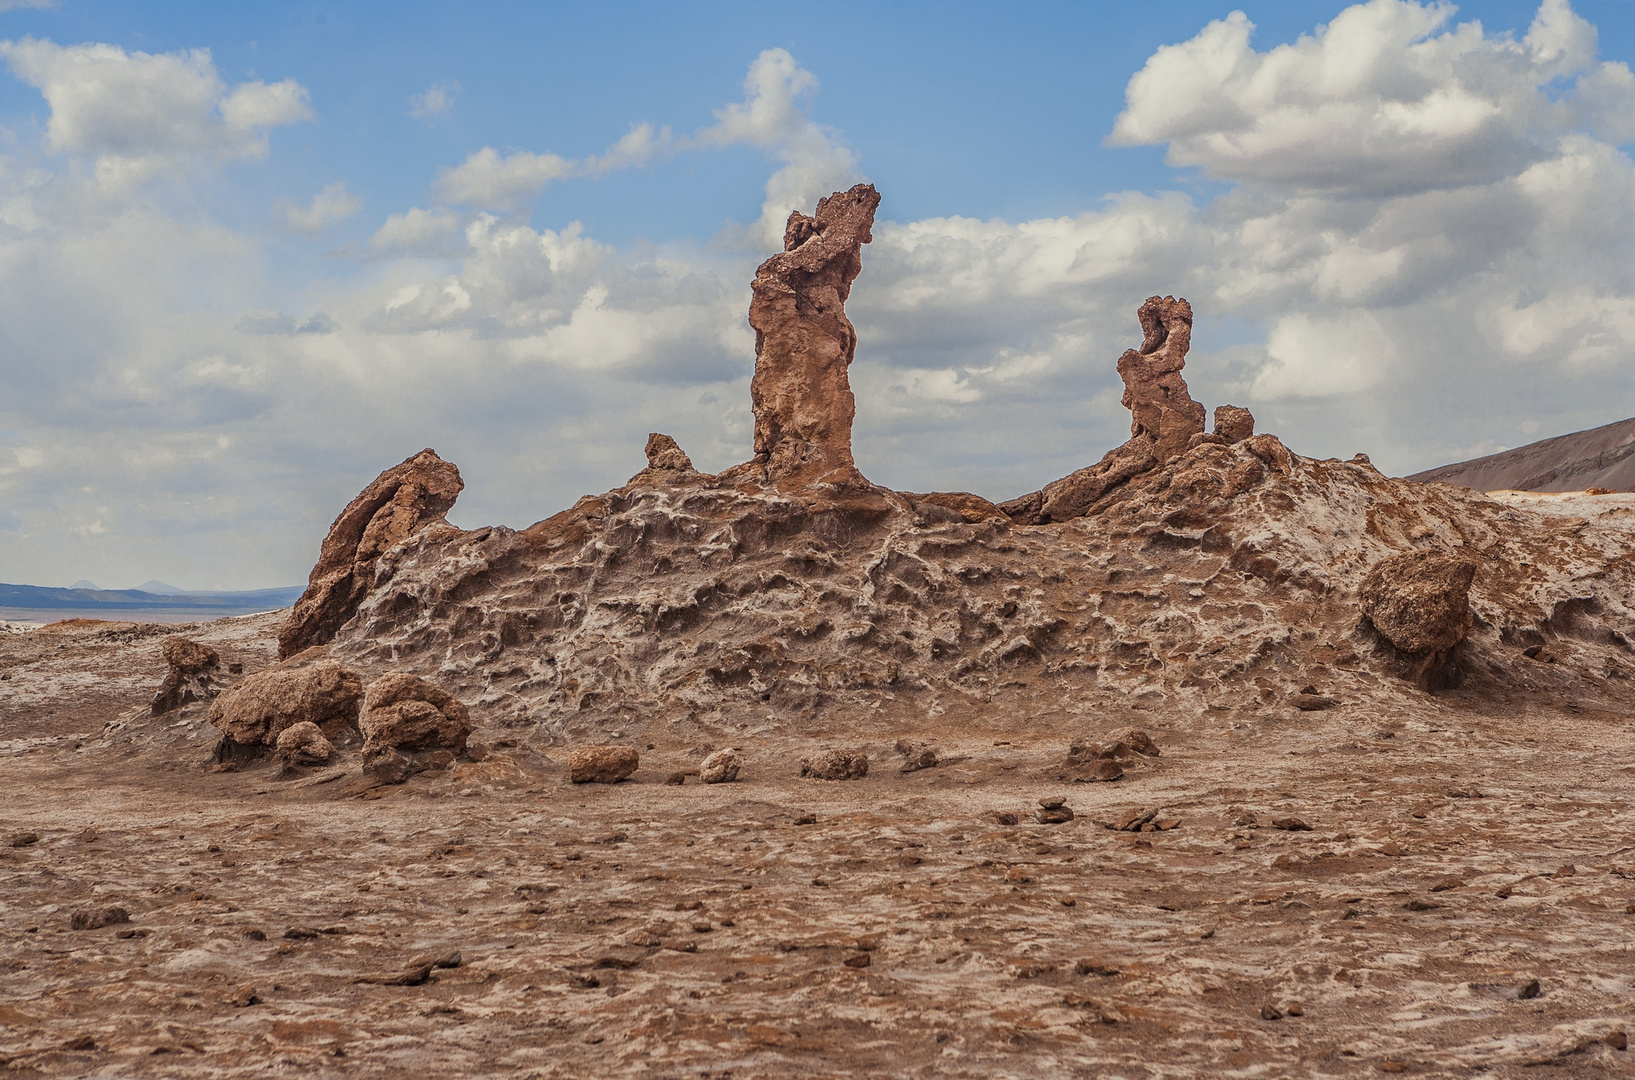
[[667, 463], [804, 343], [1306, 701], [602, 764], [1419, 601], [1128, 740], [303, 743], [915, 757], [258, 709], [402, 501], [1290, 824], [191, 668], [24, 839], [1233, 424], [721, 767], [1164, 419], [836, 765], [1053, 811], [96, 918], [405, 712]]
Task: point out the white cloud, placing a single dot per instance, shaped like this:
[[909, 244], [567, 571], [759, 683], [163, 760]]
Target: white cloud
[[815, 161], [334, 203], [418, 231], [137, 113], [436, 100], [1386, 99], [38, 5]]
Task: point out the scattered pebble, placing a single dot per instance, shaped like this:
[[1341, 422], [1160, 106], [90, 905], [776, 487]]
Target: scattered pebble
[[858, 960], [1616, 1039], [1290, 824], [1416, 904], [676, 779], [24, 839], [1269, 1011], [916, 758], [1529, 990], [93, 919], [1447, 883]]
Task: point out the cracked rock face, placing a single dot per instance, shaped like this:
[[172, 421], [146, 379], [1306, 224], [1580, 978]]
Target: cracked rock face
[[804, 344], [402, 501]]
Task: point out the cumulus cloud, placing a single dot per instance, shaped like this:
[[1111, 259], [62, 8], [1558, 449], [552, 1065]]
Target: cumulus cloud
[[436, 100], [333, 204], [136, 113], [419, 231], [815, 160]]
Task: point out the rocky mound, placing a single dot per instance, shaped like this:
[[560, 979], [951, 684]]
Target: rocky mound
[[1187, 570], [1602, 457]]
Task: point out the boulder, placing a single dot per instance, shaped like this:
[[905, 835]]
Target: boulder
[[401, 502], [721, 767], [1234, 424], [836, 765], [602, 764], [303, 744], [405, 712], [804, 344], [191, 671], [259, 708], [1419, 601]]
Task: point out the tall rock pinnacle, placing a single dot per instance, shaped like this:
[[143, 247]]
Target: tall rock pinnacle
[[1154, 391], [804, 343]]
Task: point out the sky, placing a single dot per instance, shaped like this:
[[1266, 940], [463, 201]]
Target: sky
[[251, 255]]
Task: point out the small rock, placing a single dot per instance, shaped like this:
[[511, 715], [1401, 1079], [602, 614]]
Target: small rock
[[1416, 904], [916, 758], [1616, 1039], [1539, 653], [1004, 817], [858, 960], [24, 839], [254, 935], [94, 919], [676, 779], [1052, 811], [446, 960], [1133, 740], [1092, 966], [1568, 870], [405, 712], [1529, 990], [303, 743], [413, 976], [602, 764], [243, 997], [300, 933], [836, 765], [1054, 802], [1290, 824], [1133, 821], [1294, 1008], [721, 767], [1269, 1011], [1312, 702], [1447, 883]]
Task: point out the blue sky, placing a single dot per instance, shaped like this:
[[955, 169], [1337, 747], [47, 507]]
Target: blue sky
[[238, 284]]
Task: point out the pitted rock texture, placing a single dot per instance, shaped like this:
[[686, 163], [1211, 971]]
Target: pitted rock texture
[[405, 712], [192, 674], [804, 343], [1154, 391], [1419, 601], [303, 744], [402, 501], [1165, 421], [1234, 423], [313, 689], [836, 765]]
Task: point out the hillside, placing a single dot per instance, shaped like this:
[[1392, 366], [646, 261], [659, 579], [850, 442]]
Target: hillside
[[1602, 457]]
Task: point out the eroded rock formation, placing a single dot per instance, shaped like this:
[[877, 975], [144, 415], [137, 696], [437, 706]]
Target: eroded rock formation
[[258, 709], [402, 501], [804, 344], [1419, 601], [1165, 421], [192, 671]]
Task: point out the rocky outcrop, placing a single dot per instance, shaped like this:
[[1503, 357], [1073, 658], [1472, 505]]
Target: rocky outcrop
[[402, 501], [405, 712], [191, 675], [263, 705], [1419, 601], [602, 764], [804, 344], [1233, 423], [1165, 421], [303, 744]]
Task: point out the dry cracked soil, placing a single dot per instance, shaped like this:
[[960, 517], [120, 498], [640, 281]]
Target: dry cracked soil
[[1452, 896]]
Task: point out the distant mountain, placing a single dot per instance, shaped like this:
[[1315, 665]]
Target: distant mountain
[[83, 584], [1602, 457], [90, 601], [158, 588]]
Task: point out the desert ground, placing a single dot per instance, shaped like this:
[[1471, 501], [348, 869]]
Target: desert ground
[[1459, 906]]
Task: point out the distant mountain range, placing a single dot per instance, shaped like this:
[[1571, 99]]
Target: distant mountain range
[[1602, 457], [89, 601]]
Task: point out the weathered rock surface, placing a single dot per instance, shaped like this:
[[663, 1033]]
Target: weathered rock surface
[[721, 767], [1233, 423], [322, 692], [402, 501], [405, 712], [1165, 421], [602, 764], [303, 743], [836, 765], [1420, 600], [192, 671], [804, 344]]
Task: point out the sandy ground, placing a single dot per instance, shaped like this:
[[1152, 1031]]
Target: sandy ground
[[776, 926]]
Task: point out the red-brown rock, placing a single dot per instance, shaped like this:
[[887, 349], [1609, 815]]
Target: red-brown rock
[[804, 343], [602, 764], [1419, 600], [406, 712], [192, 669], [1234, 423], [257, 710], [402, 501]]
